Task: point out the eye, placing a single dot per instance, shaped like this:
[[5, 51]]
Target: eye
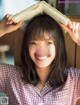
[[50, 42], [32, 43]]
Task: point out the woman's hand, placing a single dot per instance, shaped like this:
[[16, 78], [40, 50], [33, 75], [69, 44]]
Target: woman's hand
[[74, 31], [7, 25]]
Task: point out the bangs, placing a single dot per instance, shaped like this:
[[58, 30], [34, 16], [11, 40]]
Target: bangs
[[41, 30], [41, 34]]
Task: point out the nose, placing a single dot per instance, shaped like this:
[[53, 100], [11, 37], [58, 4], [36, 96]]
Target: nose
[[41, 51]]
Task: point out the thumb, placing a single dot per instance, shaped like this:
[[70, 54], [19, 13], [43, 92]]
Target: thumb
[[18, 25], [66, 28]]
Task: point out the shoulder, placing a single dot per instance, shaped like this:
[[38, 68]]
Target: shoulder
[[6, 69], [74, 80], [73, 72], [8, 74]]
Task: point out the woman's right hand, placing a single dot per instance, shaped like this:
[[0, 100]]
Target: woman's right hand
[[7, 25]]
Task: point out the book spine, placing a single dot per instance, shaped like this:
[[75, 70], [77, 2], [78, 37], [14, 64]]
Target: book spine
[[55, 14]]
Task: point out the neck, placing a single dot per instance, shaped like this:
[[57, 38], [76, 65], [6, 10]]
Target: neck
[[43, 74]]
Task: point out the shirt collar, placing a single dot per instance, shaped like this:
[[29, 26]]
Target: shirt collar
[[46, 89]]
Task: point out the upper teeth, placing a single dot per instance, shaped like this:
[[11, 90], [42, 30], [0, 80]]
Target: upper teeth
[[42, 58]]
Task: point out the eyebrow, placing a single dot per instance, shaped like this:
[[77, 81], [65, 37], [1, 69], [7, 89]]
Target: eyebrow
[[50, 39], [44, 40]]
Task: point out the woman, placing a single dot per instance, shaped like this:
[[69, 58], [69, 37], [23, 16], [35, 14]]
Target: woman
[[43, 78]]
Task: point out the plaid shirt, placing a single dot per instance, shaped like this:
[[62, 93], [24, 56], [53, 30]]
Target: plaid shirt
[[26, 94]]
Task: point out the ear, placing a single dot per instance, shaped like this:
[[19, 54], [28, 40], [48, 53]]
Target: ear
[[40, 8]]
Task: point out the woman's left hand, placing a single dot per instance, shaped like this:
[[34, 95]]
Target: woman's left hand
[[74, 31]]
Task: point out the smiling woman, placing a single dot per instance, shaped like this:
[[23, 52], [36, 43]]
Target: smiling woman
[[43, 73], [40, 29]]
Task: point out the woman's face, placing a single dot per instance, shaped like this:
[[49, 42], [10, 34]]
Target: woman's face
[[42, 52]]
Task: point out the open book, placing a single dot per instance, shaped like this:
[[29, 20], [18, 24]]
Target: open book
[[40, 8]]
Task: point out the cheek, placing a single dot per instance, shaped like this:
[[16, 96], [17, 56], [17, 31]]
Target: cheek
[[32, 51], [52, 50]]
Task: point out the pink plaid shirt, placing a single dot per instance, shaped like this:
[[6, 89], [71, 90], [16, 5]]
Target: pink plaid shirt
[[26, 94]]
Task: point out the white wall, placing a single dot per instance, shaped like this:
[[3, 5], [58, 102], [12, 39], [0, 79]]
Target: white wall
[[15, 6]]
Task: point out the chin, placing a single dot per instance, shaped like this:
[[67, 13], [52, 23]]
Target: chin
[[43, 66]]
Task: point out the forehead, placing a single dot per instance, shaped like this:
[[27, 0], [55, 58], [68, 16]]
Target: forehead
[[42, 36]]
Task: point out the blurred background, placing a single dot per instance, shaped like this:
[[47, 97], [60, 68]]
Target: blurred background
[[68, 7]]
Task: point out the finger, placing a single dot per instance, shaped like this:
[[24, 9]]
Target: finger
[[77, 27], [8, 15], [74, 27], [18, 25], [9, 19], [9, 22], [67, 29], [5, 19], [70, 24]]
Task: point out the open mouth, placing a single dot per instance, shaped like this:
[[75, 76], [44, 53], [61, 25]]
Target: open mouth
[[41, 58]]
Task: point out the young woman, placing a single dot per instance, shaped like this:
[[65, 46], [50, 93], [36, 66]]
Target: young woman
[[43, 78]]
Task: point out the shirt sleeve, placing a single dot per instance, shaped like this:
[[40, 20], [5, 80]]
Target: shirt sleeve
[[76, 78], [77, 82], [2, 77], [7, 72]]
